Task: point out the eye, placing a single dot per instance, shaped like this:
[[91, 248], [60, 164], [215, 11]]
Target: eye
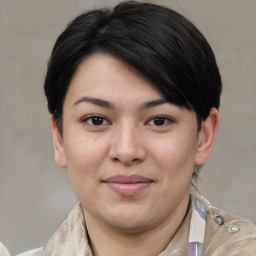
[[159, 121], [95, 120]]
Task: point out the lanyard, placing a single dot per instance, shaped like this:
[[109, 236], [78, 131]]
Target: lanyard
[[200, 208]]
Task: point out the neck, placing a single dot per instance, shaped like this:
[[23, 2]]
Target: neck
[[108, 241]]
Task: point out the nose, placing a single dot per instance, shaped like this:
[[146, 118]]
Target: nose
[[126, 146]]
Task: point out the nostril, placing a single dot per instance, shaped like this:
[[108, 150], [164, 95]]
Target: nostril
[[127, 161]]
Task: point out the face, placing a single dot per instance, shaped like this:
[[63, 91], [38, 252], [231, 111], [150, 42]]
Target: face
[[129, 153]]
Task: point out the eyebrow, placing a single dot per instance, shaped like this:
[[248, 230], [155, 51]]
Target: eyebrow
[[153, 103], [107, 104], [95, 101]]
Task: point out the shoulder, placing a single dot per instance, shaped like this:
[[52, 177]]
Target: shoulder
[[71, 234], [227, 234], [35, 252], [3, 250]]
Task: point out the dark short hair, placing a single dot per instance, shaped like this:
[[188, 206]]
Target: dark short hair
[[161, 44]]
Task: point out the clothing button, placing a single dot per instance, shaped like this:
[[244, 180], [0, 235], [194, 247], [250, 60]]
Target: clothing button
[[233, 229], [219, 219]]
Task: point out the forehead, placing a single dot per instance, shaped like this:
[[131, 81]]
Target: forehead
[[104, 75]]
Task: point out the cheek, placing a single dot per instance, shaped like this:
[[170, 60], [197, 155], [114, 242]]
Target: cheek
[[84, 154], [175, 157], [176, 149], [84, 159]]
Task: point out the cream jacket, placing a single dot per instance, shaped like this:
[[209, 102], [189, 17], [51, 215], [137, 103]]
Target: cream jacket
[[71, 238]]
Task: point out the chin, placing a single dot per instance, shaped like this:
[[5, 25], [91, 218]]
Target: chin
[[131, 226], [133, 220]]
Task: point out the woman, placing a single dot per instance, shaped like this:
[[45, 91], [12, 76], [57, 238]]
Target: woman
[[134, 94]]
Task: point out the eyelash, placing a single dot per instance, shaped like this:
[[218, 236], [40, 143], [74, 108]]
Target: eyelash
[[167, 120], [163, 120], [89, 120]]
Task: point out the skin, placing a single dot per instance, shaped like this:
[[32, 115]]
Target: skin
[[135, 133]]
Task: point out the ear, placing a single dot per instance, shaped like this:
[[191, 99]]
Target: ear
[[59, 153], [206, 136]]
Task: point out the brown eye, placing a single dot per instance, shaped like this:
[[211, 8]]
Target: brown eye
[[96, 120], [159, 121]]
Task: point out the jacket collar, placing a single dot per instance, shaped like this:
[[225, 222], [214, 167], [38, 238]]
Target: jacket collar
[[71, 238]]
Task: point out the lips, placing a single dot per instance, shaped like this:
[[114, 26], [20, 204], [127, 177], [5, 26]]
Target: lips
[[128, 185]]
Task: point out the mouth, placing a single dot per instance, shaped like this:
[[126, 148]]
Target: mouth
[[128, 185]]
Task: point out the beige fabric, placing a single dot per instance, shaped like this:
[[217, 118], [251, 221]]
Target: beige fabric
[[218, 241], [71, 238], [3, 251], [35, 252]]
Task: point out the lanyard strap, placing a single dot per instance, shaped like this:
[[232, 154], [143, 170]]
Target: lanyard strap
[[200, 208]]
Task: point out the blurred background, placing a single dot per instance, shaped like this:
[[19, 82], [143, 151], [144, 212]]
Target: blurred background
[[35, 195]]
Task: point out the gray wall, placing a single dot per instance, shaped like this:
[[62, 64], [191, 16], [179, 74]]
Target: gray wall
[[35, 195]]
